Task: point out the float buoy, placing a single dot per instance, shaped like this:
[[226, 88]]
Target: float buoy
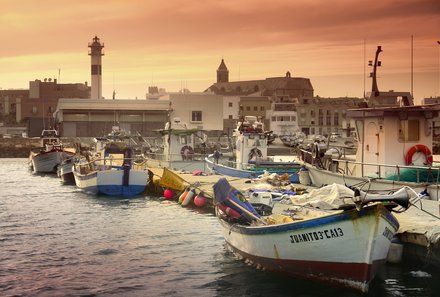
[[168, 194], [418, 148], [188, 197], [200, 199], [183, 196]]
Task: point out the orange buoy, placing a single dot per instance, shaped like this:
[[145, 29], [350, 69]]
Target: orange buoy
[[183, 195], [418, 148], [200, 199]]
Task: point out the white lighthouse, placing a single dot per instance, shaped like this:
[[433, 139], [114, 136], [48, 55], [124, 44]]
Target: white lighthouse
[[96, 54]]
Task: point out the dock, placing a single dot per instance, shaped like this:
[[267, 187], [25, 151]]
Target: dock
[[419, 231]]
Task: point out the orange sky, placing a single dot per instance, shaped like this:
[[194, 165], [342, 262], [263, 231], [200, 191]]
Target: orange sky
[[180, 43]]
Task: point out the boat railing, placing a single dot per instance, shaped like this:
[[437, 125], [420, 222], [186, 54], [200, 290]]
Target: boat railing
[[347, 167]]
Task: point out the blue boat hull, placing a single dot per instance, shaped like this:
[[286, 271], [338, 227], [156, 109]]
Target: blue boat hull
[[229, 171]]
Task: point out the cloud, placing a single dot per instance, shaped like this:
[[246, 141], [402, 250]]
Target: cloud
[[180, 40]]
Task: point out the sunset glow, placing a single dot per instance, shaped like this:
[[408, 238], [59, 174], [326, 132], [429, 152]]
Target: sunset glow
[[179, 43]]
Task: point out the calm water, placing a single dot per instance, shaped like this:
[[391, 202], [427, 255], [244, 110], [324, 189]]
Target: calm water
[[57, 241]]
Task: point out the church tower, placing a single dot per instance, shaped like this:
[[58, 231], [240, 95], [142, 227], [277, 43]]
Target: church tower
[[96, 53], [222, 73]]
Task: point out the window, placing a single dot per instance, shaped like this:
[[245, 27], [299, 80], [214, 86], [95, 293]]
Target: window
[[230, 104], [336, 118], [328, 118], [255, 108], [34, 109], [196, 116], [320, 118], [230, 117], [274, 118], [262, 108], [248, 108], [409, 130]]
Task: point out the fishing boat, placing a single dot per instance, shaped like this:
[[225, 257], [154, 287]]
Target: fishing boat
[[394, 146], [51, 152], [65, 171], [344, 246], [250, 155], [179, 148], [112, 170]]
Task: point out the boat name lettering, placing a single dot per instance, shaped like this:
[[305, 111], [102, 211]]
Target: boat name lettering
[[317, 235], [388, 234]]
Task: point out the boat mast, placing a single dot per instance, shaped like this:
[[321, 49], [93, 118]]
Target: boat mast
[[377, 63]]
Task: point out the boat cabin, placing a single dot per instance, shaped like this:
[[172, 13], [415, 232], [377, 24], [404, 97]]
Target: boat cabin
[[178, 141], [251, 142], [49, 138], [393, 136]]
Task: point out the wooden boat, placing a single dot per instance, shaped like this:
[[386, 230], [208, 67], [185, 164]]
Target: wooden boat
[[250, 153], [394, 148], [341, 247], [51, 152], [113, 171]]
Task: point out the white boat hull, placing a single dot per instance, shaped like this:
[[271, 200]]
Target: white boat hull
[[345, 248], [47, 162], [113, 182]]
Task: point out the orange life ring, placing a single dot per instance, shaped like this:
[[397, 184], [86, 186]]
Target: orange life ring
[[187, 152], [419, 148]]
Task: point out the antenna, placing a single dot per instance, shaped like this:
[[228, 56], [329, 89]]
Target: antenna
[[412, 65], [364, 64]]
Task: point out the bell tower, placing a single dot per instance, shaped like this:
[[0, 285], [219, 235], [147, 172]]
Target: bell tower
[[96, 53], [222, 73]]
